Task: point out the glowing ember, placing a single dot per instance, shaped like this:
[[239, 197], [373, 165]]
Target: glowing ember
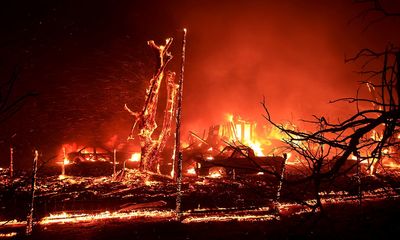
[[85, 217], [61, 177], [135, 157], [151, 183], [8, 235], [13, 223], [227, 218]]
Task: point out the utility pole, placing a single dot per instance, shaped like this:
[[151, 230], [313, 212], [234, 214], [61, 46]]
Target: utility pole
[[114, 162], [11, 162], [63, 162], [178, 152], [29, 221]]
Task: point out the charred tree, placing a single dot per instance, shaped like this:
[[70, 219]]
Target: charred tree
[[370, 135], [9, 105], [146, 119]]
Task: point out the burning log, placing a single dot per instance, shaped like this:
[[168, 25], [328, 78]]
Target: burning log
[[146, 119]]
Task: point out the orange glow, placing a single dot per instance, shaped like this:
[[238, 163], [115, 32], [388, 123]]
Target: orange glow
[[135, 157]]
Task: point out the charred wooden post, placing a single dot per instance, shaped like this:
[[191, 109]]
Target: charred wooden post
[[359, 180], [114, 162], [146, 119], [178, 152], [63, 162], [281, 178], [11, 162], [29, 221]]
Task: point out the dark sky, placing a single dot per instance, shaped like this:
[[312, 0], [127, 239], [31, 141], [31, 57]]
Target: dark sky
[[86, 59]]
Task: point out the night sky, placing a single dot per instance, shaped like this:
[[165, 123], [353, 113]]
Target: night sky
[[86, 59]]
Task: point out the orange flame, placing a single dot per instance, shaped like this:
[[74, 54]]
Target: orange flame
[[135, 157]]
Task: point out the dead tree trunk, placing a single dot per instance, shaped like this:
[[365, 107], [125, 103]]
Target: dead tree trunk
[[146, 119], [29, 221]]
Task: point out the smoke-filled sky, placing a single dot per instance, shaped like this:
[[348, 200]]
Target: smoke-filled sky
[[86, 59]]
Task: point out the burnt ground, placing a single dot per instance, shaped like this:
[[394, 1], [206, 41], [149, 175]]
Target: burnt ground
[[376, 220], [342, 217]]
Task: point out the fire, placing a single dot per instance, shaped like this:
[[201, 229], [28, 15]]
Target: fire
[[256, 146], [215, 175], [191, 171], [239, 131], [216, 172], [135, 157], [376, 136]]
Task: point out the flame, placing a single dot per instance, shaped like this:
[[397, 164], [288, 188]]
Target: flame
[[215, 175], [353, 157], [376, 136], [191, 171], [135, 157], [256, 146], [215, 172], [237, 130], [229, 117]]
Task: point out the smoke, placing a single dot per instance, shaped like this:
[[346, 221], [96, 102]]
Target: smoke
[[291, 52], [87, 60]]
